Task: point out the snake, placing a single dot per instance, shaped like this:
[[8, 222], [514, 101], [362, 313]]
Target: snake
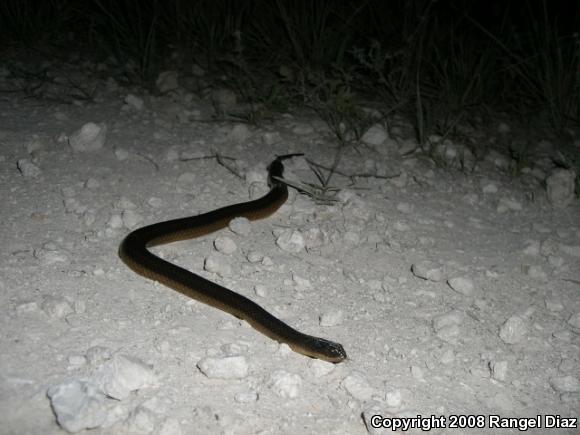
[[134, 252]]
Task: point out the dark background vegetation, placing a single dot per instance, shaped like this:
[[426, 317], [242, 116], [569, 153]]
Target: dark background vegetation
[[439, 62]]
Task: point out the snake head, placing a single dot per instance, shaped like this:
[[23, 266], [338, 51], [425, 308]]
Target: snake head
[[326, 350], [276, 168]]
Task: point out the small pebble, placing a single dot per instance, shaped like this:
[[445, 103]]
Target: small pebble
[[451, 318], [565, 384], [303, 129], [536, 272], [286, 385], [230, 367], [358, 387], [115, 222], [155, 202], [92, 184], [131, 219], [122, 374], [134, 102], [401, 226], [404, 207], [428, 270], [290, 241], [375, 135], [394, 399], [172, 155], [125, 203], [554, 305], [77, 361], [321, 368], [121, 154], [90, 137], [449, 333], [513, 330], [217, 263], [241, 226], [261, 290], [508, 204], [77, 405], [417, 373], [239, 133], [532, 248], [447, 357], [167, 81], [300, 283], [225, 245], [28, 169], [186, 181], [254, 256], [331, 318], [246, 397], [498, 370], [271, 138], [567, 365], [574, 320], [50, 254], [56, 307], [503, 128], [489, 188], [224, 100], [461, 285], [97, 355], [560, 186]]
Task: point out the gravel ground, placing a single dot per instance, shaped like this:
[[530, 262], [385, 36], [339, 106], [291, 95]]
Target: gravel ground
[[454, 292]]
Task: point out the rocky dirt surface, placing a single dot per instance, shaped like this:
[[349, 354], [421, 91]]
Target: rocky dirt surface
[[454, 292]]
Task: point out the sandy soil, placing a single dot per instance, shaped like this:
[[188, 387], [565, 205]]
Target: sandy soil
[[454, 293]]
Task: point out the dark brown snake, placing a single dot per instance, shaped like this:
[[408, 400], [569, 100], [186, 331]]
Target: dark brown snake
[[133, 251]]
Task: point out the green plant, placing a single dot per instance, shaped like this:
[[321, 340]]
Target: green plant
[[30, 22], [542, 67], [336, 104], [209, 30], [130, 28], [314, 31], [320, 192]]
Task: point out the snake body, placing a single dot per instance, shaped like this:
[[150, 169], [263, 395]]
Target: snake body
[[134, 253]]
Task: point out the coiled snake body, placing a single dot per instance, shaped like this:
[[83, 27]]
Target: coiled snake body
[[133, 251]]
